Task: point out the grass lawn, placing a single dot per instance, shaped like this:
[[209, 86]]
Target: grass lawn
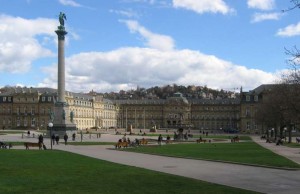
[[292, 145], [225, 136], [243, 152], [34, 171]]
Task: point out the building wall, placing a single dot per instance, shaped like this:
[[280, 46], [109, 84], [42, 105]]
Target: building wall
[[29, 108]]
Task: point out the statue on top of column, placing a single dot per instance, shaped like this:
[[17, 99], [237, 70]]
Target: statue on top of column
[[62, 18]]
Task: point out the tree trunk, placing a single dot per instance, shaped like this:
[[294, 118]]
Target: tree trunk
[[290, 133]]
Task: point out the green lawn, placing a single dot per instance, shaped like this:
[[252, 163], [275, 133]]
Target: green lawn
[[292, 145], [225, 136], [34, 171], [243, 152]]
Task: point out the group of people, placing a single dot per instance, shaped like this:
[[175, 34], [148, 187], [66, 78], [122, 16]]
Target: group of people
[[55, 138], [160, 139]]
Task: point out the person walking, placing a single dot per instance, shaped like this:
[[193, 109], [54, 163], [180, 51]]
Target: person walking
[[53, 139], [41, 138], [66, 138], [57, 139], [159, 139]]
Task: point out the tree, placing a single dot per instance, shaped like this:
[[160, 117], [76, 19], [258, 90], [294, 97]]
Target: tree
[[296, 4]]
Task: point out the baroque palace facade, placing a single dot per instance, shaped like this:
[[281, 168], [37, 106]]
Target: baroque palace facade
[[28, 108]]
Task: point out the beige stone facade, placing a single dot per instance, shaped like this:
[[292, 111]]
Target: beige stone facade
[[29, 108], [177, 111]]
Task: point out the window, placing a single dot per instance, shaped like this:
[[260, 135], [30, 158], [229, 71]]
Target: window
[[247, 98], [4, 99], [18, 121], [49, 99], [255, 98], [43, 99], [248, 125], [25, 122], [32, 122], [247, 112], [43, 123], [32, 110], [9, 99], [43, 111]]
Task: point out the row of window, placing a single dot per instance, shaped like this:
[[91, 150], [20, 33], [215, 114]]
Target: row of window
[[6, 99], [248, 98]]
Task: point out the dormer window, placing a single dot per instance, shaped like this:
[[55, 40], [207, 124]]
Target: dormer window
[[255, 98], [247, 98], [49, 99]]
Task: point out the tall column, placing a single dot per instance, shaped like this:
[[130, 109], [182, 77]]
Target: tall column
[[61, 64], [62, 117]]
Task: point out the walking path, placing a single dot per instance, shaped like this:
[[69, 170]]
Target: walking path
[[288, 152], [265, 180]]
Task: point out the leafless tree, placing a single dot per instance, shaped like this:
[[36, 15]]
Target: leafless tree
[[295, 4]]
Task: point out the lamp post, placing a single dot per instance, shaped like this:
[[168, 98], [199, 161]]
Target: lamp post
[[50, 125]]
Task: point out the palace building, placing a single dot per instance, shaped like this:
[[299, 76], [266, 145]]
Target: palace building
[[29, 108]]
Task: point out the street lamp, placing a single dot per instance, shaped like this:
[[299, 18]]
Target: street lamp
[[50, 125]]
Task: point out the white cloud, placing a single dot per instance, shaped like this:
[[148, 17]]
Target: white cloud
[[19, 45], [202, 6], [128, 13], [258, 17], [125, 68], [261, 4], [70, 3], [157, 41], [291, 30]]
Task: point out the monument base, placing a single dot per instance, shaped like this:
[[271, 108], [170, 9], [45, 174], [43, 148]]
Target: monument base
[[62, 123], [61, 130]]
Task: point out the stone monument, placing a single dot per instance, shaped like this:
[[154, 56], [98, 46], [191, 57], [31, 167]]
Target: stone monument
[[61, 117]]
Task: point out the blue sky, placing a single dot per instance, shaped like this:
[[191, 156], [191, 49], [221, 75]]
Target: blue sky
[[122, 44]]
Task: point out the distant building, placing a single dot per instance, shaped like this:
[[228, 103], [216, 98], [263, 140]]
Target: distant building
[[177, 111], [24, 108]]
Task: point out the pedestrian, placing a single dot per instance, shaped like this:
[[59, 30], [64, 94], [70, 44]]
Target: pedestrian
[[53, 139], [159, 139], [41, 138], [57, 139], [66, 138], [73, 136]]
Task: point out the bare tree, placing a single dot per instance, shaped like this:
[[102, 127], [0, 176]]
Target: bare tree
[[296, 4]]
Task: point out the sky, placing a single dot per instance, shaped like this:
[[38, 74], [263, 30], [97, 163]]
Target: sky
[[121, 44]]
